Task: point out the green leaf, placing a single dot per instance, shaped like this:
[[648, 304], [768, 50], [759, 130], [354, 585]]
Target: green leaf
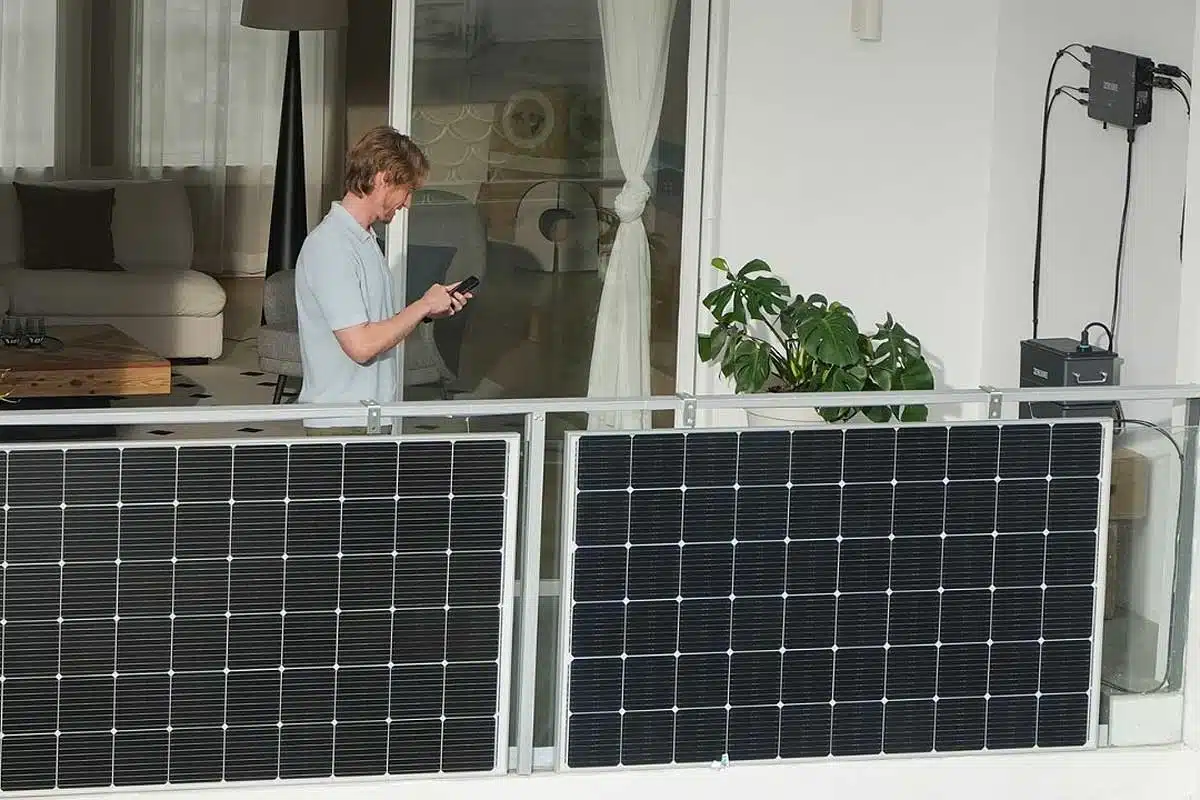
[[738, 314], [751, 365], [831, 337], [752, 267], [882, 377], [914, 414], [844, 379], [916, 376], [717, 339], [810, 344], [877, 413], [833, 414]]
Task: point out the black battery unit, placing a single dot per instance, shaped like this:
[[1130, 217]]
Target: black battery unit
[[1064, 363]]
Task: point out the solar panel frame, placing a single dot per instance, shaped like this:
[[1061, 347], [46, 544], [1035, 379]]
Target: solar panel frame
[[570, 491], [511, 442]]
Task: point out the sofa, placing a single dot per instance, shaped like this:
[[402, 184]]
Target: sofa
[[152, 294]]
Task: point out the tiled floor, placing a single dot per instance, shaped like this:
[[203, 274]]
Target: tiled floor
[[232, 380]]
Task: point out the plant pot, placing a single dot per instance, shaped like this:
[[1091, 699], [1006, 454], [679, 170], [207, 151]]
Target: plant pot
[[783, 417]]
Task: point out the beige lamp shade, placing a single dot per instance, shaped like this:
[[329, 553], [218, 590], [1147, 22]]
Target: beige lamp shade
[[295, 15]]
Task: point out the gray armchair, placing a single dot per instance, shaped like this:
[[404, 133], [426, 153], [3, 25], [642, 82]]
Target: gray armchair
[[279, 338]]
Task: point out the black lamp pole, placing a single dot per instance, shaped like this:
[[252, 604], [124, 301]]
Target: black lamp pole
[[289, 212]]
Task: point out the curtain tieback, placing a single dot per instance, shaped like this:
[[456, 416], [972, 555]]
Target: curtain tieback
[[631, 202]]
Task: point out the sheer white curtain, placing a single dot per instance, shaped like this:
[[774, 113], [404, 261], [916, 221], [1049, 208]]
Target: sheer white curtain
[[28, 74], [204, 102], [636, 37]]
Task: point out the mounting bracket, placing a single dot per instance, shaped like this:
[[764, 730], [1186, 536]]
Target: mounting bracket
[[374, 416], [687, 413], [995, 402]]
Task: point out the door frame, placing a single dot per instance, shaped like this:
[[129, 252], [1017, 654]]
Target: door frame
[[400, 118], [700, 162]]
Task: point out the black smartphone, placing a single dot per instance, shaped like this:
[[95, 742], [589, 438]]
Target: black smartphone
[[465, 285]]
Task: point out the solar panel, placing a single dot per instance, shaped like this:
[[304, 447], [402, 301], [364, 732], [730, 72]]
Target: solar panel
[[849, 590], [259, 611]]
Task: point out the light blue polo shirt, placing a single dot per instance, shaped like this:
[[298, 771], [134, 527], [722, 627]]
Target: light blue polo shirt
[[342, 280]]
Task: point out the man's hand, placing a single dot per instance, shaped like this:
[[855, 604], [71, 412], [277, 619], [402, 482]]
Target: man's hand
[[365, 342], [443, 301]]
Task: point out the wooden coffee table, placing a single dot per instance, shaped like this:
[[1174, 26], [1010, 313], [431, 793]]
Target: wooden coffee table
[[95, 361], [95, 364]]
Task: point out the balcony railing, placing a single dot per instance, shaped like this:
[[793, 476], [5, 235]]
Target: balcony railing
[[1138, 691]]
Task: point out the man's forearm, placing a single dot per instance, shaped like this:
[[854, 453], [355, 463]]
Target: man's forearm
[[365, 342]]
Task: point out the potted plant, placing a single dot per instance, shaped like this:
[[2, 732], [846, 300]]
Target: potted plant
[[766, 339]]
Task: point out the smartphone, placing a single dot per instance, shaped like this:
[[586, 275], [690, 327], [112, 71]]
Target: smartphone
[[465, 285]]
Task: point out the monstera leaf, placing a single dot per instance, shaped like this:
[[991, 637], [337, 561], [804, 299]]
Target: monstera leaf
[[764, 339]]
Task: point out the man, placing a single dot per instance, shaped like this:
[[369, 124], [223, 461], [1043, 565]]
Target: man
[[349, 327]]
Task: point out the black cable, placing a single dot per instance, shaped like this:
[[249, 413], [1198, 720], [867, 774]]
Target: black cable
[[1048, 99], [1187, 101], [1130, 135], [1162, 684], [1075, 93], [1163, 82], [1172, 71], [1083, 336], [1067, 52], [1047, 107], [1187, 104], [1182, 222]]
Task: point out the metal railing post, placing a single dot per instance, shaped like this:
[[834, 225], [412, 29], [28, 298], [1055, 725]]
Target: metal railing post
[[532, 491]]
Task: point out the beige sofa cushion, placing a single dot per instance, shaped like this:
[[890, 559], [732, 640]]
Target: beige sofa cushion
[[133, 293]]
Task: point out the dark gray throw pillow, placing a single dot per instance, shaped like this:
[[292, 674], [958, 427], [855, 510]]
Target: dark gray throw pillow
[[66, 228], [427, 265]]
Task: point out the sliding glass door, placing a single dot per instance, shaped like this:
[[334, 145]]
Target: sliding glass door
[[557, 134], [534, 125]]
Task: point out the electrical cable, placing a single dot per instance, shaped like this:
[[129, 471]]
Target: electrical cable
[[1163, 82], [1083, 335], [1187, 101], [1075, 93], [1131, 134], [1047, 106], [1162, 684], [1172, 71], [1048, 99], [1187, 104], [1066, 51]]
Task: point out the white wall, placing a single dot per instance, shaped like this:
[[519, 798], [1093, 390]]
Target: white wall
[[901, 175], [1189, 291], [860, 170], [1085, 185]]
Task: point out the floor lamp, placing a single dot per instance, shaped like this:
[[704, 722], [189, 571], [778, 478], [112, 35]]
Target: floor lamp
[[289, 210]]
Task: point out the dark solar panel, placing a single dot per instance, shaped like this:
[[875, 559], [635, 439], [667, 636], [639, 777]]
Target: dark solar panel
[[838, 590], [209, 613]]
